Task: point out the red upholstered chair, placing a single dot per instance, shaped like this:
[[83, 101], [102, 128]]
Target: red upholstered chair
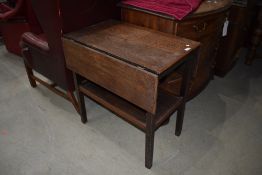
[[16, 17], [44, 52]]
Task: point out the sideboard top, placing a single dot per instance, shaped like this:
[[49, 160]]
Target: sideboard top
[[205, 8], [208, 6]]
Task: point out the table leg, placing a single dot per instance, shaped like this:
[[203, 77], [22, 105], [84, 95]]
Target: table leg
[[150, 134], [180, 119], [186, 81]]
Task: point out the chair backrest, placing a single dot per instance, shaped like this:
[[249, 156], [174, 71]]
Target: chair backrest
[[81, 13], [20, 9], [31, 17], [57, 17], [11, 3], [62, 16], [47, 12]]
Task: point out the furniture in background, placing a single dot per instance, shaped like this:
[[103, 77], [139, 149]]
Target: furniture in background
[[240, 19], [43, 52], [256, 38], [16, 17], [121, 67], [179, 9], [204, 25]]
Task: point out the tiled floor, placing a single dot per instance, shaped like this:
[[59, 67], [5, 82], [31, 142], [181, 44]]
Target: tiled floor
[[41, 134]]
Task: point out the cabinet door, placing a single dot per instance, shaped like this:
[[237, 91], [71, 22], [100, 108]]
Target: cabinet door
[[208, 31]]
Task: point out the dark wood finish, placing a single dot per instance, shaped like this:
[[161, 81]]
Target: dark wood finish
[[147, 19], [150, 135], [44, 45], [205, 25], [113, 72], [123, 66], [136, 116], [256, 38], [137, 44], [80, 98], [30, 74], [188, 68], [68, 95], [180, 120], [240, 20], [211, 7]]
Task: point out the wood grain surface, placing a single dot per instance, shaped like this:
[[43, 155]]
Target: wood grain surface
[[148, 49]]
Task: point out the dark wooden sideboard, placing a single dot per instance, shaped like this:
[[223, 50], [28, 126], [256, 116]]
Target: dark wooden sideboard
[[241, 18], [204, 25], [256, 36]]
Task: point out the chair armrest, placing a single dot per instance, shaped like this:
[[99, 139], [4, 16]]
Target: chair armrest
[[36, 41]]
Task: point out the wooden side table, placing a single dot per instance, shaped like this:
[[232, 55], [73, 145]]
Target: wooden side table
[[120, 66]]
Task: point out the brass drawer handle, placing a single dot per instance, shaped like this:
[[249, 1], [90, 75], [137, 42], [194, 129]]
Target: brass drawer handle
[[200, 27]]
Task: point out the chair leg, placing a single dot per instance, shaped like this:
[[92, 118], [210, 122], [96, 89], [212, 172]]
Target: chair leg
[[82, 108], [80, 98], [69, 95], [179, 120], [30, 76], [150, 134], [72, 99]]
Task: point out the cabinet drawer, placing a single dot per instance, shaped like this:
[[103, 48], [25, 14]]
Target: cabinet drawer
[[128, 81], [196, 29]]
